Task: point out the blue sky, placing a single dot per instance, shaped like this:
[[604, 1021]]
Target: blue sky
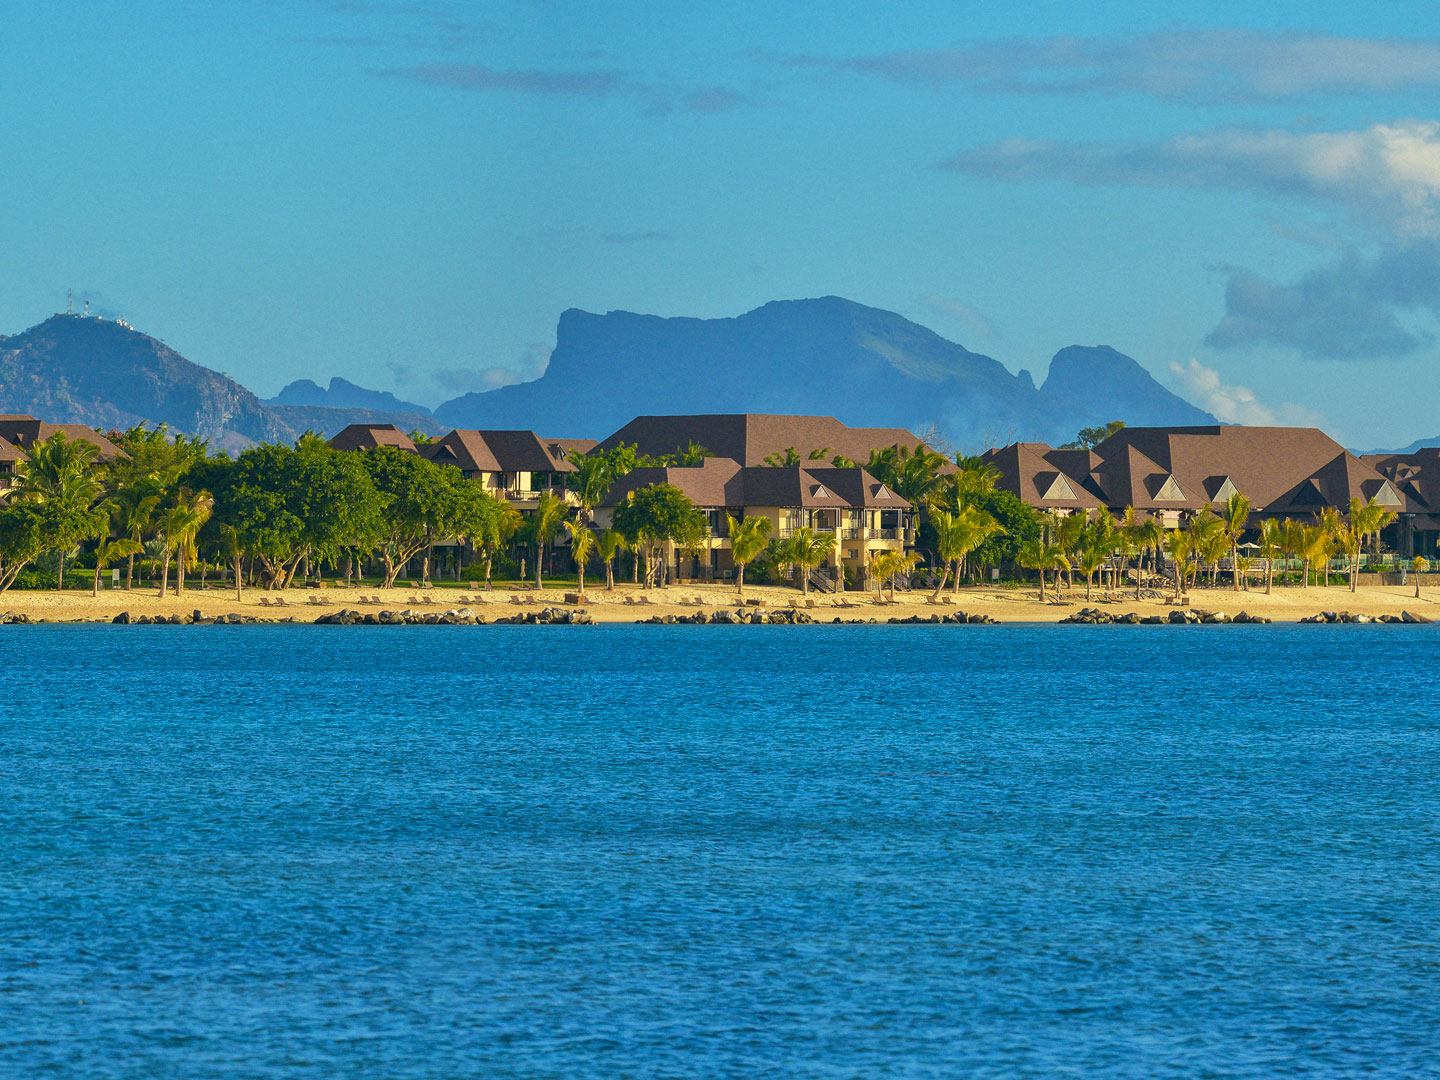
[[408, 194]]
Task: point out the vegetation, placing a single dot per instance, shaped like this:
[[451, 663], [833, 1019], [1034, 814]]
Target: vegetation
[[1091, 437], [748, 540]]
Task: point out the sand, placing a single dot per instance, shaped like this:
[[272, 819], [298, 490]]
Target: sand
[[1287, 604]]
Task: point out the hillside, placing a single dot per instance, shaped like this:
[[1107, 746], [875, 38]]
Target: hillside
[[829, 356], [343, 394], [76, 369]]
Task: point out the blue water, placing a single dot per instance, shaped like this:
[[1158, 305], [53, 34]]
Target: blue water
[[624, 851]]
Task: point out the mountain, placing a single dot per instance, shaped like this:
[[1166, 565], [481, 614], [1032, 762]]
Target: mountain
[[1418, 444], [84, 370], [831, 356], [343, 394], [1100, 383]]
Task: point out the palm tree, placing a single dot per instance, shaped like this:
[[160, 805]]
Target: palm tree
[[1043, 555], [178, 527], [1095, 548], [582, 544], [748, 540], [884, 565], [1180, 546], [133, 511], [807, 550], [609, 544], [233, 548], [108, 552], [590, 482], [1292, 539], [1367, 520], [1272, 543], [1419, 564], [1315, 547], [1233, 518], [958, 534], [544, 524]]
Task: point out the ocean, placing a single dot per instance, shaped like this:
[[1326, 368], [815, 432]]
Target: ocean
[[643, 851]]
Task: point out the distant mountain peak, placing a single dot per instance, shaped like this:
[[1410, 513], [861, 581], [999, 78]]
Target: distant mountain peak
[[827, 356]]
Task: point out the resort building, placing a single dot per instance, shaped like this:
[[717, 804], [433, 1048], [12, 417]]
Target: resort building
[[369, 436], [19, 431], [1171, 473], [864, 515], [514, 465]]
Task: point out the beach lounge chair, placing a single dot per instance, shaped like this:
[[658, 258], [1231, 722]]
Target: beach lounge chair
[[629, 600], [810, 603], [645, 600], [279, 601], [413, 601], [515, 600], [794, 604], [949, 601], [264, 601], [699, 601], [426, 598]]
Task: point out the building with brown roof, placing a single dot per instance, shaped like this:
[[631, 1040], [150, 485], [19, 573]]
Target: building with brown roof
[[1417, 477], [750, 438], [514, 465], [864, 514], [369, 436], [23, 431], [1171, 473]]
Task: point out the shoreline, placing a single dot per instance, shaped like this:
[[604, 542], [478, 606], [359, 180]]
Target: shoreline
[[628, 604]]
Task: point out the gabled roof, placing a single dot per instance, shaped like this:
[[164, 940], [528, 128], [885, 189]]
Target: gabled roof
[[1185, 468], [499, 451], [720, 482], [750, 437], [22, 431], [10, 453], [367, 436]]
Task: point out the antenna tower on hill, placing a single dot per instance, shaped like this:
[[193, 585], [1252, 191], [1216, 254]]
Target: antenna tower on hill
[[69, 301]]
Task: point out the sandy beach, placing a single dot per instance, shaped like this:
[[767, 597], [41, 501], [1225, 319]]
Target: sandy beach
[[1009, 605]]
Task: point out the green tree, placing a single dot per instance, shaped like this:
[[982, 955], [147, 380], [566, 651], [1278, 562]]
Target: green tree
[[591, 481], [1018, 523], [179, 526], [1272, 546], [1234, 519], [808, 549], [748, 540], [915, 475], [1419, 564], [582, 546], [421, 502], [24, 538], [885, 566], [59, 477], [132, 513], [109, 551], [956, 536], [544, 523], [652, 517], [1091, 437], [1040, 556], [609, 544]]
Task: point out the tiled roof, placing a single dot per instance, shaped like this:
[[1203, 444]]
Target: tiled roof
[[365, 436], [500, 451], [750, 437], [721, 482], [21, 431], [1281, 470]]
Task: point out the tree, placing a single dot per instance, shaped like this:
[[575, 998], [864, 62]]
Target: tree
[[1180, 546], [914, 475], [1419, 564], [1272, 544], [808, 549], [956, 536], [609, 544], [652, 517], [692, 456], [58, 476], [232, 548], [1366, 521], [1208, 541], [1091, 437], [132, 512], [497, 521], [1018, 523], [591, 481], [420, 501], [1043, 555], [783, 459], [885, 565], [23, 538], [294, 503], [582, 544], [1234, 517], [179, 525], [544, 523], [1096, 544], [108, 552], [748, 540], [1316, 545]]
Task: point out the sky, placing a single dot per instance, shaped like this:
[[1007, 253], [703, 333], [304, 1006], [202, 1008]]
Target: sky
[[1245, 198]]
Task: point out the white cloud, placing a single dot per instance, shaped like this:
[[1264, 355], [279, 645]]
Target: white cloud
[[1387, 175], [1234, 404], [1197, 66]]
